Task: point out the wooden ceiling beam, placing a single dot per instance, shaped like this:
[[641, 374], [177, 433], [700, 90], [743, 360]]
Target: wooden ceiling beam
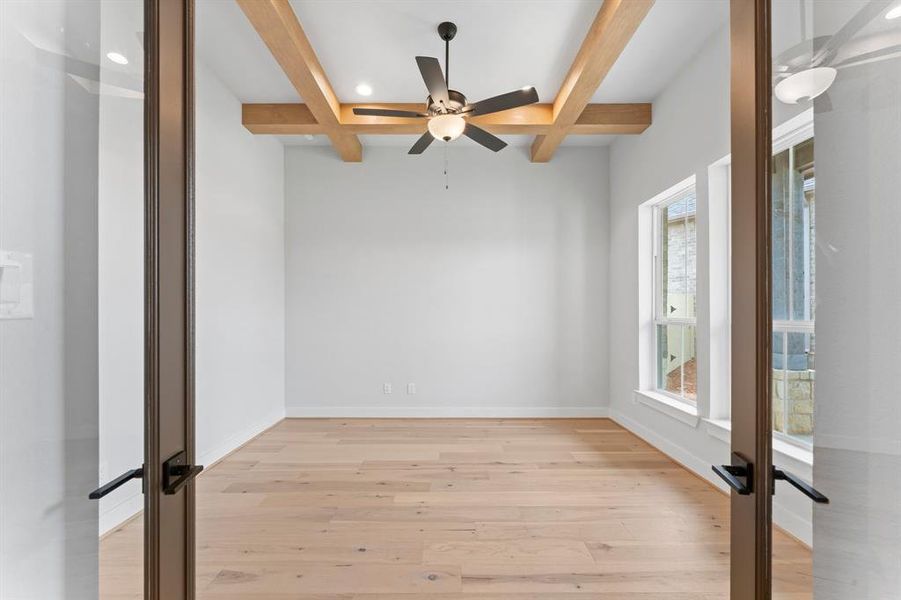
[[526, 119], [613, 27], [277, 25], [535, 119]]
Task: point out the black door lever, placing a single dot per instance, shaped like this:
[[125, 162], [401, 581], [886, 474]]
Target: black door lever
[[738, 475], [177, 473], [805, 488], [118, 482]]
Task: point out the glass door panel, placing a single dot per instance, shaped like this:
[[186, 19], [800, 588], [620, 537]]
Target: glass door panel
[[835, 282], [71, 294], [857, 440], [121, 260], [96, 362]]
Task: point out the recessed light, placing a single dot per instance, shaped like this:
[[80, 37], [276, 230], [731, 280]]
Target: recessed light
[[364, 89], [893, 13], [117, 58], [309, 137]]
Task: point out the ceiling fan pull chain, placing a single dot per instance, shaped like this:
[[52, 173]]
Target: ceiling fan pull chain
[[446, 183]]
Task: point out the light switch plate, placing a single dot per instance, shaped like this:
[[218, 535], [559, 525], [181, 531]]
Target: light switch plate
[[16, 285]]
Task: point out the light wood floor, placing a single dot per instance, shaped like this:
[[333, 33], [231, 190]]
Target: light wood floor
[[343, 509]]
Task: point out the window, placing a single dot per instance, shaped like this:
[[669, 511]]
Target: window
[[675, 295], [793, 221], [794, 269]]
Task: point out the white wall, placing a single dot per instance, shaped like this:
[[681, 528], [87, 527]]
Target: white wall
[[690, 132], [240, 275], [240, 295], [490, 296]]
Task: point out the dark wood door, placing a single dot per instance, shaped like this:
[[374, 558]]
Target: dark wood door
[[169, 305], [751, 129]]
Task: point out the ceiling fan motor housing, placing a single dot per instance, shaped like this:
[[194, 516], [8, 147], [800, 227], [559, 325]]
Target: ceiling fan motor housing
[[456, 103]]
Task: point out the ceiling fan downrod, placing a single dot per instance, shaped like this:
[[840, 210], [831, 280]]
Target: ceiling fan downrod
[[447, 31]]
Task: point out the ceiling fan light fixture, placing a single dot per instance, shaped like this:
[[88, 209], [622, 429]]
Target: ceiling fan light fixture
[[805, 85], [117, 57], [447, 127]]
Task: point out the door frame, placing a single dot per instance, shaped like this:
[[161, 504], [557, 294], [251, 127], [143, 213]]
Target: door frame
[[751, 128], [169, 572]]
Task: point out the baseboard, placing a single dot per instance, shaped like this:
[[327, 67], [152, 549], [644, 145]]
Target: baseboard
[[679, 454], [134, 504], [450, 412], [120, 513], [218, 452]]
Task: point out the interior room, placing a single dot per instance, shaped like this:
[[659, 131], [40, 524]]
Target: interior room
[[444, 339]]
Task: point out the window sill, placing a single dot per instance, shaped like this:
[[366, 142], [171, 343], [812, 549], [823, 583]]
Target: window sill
[[681, 411], [721, 429]]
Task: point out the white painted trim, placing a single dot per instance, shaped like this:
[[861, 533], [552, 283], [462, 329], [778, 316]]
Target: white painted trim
[[719, 269], [221, 450], [449, 412], [785, 449], [118, 514], [721, 429], [800, 528], [681, 411], [132, 505], [794, 131], [676, 452]]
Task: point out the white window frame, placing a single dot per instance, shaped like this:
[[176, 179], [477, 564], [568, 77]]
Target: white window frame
[[661, 316], [719, 277], [647, 393]]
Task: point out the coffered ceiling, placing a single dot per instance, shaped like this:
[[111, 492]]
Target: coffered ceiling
[[497, 48]]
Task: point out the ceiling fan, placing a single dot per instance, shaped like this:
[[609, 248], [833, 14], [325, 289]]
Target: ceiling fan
[[807, 70], [447, 110]]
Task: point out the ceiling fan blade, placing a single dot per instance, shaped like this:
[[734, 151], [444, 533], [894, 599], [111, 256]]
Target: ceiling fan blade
[[504, 102], [870, 57], [422, 143], [434, 79], [387, 112], [829, 50], [481, 136]]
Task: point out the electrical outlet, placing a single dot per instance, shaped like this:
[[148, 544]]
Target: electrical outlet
[[411, 388], [386, 388]]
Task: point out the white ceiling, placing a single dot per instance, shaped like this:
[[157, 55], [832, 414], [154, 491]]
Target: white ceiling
[[496, 49]]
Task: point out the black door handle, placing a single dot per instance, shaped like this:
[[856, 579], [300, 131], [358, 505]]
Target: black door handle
[[118, 482], [805, 488], [737, 475], [177, 473]]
